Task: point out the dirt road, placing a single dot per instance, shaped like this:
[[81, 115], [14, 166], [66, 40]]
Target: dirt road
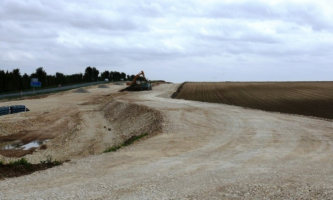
[[203, 151]]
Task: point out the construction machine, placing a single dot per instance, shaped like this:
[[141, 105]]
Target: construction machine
[[137, 85]]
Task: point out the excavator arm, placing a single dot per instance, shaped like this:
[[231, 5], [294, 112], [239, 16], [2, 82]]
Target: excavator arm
[[137, 76], [138, 86]]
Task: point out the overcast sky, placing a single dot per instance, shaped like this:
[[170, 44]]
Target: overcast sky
[[198, 40]]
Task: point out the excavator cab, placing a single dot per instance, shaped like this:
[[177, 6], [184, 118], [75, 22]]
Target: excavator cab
[[137, 85]]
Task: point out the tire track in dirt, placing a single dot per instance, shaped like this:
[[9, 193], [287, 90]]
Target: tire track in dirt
[[205, 151]]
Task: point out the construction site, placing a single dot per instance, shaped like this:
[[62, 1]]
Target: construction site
[[188, 149]]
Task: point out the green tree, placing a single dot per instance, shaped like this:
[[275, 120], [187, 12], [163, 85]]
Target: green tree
[[88, 74], [25, 81], [41, 75], [17, 80], [2, 81], [95, 74], [105, 74], [60, 78]]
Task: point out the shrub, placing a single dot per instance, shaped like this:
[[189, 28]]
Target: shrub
[[22, 161]]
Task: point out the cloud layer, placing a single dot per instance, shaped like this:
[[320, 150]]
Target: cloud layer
[[171, 40]]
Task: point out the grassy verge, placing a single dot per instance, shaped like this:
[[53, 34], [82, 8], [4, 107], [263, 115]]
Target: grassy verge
[[126, 143]]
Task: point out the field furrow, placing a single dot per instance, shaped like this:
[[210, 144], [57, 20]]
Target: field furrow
[[303, 98]]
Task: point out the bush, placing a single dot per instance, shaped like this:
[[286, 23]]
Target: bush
[[22, 162]]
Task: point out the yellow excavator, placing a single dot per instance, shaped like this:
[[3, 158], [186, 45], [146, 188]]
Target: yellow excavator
[[139, 85]]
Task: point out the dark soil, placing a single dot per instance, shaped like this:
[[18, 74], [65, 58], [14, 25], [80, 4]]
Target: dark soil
[[302, 98], [103, 86], [175, 94], [8, 171], [16, 153]]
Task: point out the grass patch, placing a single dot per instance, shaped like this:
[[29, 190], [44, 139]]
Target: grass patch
[[22, 162], [23, 167], [115, 148], [134, 138], [49, 161], [129, 141]]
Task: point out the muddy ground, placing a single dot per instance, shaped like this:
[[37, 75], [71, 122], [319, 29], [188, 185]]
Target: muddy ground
[[197, 150]]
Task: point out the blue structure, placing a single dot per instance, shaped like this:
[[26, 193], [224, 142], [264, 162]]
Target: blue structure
[[6, 110], [17, 109]]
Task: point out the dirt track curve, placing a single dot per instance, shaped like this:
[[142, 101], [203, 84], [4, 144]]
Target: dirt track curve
[[205, 151]]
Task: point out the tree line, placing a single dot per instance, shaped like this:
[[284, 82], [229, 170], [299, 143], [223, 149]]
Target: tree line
[[13, 81]]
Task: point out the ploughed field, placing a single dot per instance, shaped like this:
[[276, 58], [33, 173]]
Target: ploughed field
[[303, 98]]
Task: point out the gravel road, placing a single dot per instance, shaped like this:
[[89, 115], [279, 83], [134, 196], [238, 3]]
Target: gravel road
[[205, 151]]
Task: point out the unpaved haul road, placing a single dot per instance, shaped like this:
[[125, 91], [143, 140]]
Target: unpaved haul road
[[206, 151]]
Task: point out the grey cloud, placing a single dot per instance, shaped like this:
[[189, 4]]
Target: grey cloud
[[249, 10], [93, 22], [303, 14], [245, 37], [23, 10], [170, 36], [145, 8], [36, 13]]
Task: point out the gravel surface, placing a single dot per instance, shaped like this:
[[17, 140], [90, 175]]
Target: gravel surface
[[81, 90], [202, 151]]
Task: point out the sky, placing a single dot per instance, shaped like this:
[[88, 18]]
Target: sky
[[172, 40]]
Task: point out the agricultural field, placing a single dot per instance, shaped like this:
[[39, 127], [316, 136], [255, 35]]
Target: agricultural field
[[303, 98]]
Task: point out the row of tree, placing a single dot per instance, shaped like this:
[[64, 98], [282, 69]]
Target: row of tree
[[13, 81]]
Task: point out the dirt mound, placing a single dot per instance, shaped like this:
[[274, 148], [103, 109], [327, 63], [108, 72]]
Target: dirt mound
[[103, 86], [81, 90], [131, 119], [118, 83], [175, 94]]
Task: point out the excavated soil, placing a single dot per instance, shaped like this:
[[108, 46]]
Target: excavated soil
[[196, 150], [76, 126]]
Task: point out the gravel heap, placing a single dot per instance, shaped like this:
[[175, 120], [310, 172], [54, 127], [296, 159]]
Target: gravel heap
[[81, 90], [132, 119], [118, 83], [103, 86]]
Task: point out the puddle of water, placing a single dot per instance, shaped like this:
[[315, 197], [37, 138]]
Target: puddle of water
[[35, 143], [18, 145]]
